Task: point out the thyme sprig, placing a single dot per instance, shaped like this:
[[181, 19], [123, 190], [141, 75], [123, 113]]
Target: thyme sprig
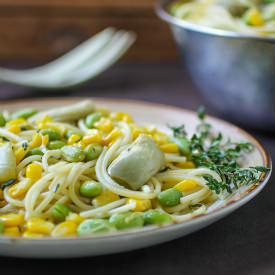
[[222, 157], [178, 131]]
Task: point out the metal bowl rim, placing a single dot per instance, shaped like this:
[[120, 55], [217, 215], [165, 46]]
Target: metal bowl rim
[[163, 14]]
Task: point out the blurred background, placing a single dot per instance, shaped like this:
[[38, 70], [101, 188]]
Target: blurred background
[[39, 31], [35, 32]]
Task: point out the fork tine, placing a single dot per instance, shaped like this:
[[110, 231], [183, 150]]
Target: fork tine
[[63, 64], [119, 44], [102, 57], [80, 53]]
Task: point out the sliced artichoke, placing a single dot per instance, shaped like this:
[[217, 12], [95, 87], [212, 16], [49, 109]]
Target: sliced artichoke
[[138, 163], [7, 162]]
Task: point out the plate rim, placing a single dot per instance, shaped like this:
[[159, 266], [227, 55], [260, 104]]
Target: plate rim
[[254, 190]]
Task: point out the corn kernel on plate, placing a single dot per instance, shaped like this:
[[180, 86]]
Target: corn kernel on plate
[[104, 176]]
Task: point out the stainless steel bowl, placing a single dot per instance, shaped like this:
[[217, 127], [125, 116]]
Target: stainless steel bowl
[[233, 71]]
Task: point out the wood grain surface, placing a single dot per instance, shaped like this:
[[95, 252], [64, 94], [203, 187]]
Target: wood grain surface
[[44, 29]]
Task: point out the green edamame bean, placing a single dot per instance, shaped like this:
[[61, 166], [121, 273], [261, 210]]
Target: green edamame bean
[[93, 151], [127, 220], [92, 119], [24, 113], [57, 144], [60, 211], [2, 120], [156, 217], [34, 152], [1, 226], [94, 226], [169, 197], [90, 188], [53, 135], [72, 153], [183, 144]]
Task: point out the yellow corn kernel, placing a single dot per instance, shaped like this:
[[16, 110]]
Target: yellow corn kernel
[[41, 126], [17, 121], [104, 124], [186, 165], [169, 148], [115, 115], [29, 234], [36, 141], [151, 129], [121, 116], [255, 18], [155, 203], [12, 231], [38, 225], [92, 136], [20, 153], [104, 198], [80, 144], [11, 220], [141, 205], [137, 130], [168, 185], [186, 185], [19, 189], [45, 119], [113, 136], [161, 138], [77, 219], [65, 229], [45, 140], [127, 118], [73, 138], [15, 129], [34, 171]]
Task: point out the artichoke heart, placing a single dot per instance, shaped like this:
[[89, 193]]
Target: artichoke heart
[[138, 163], [7, 162]]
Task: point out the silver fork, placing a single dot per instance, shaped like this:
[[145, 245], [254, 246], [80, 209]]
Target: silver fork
[[77, 66]]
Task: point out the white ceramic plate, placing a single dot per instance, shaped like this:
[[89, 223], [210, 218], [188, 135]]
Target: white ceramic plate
[[144, 113]]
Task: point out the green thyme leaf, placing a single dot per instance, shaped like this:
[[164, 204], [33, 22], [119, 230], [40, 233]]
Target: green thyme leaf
[[201, 113], [178, 131], [222, 157], [261, 168]]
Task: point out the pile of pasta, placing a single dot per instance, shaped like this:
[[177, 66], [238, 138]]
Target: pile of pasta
[[242, 16], [82, 170]]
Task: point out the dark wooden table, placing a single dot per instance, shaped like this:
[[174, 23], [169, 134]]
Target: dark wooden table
[[240, 244]]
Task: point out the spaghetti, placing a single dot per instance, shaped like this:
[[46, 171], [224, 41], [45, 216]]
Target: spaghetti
[[64, 185]]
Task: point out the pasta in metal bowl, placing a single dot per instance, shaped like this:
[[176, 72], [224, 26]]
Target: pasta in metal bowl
[[242, 16], [83, 170]]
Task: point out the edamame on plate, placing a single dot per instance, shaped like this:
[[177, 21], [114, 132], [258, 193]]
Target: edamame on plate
[[86, 170]]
